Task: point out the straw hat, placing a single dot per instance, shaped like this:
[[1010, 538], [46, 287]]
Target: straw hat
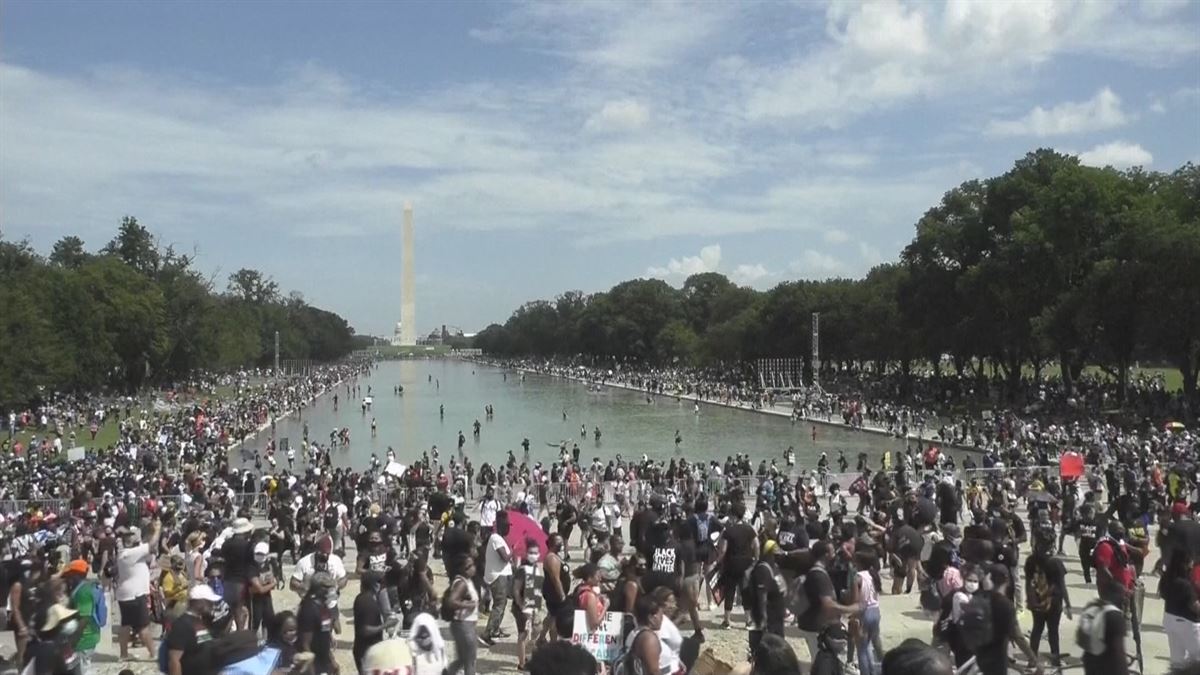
[[56, 615]]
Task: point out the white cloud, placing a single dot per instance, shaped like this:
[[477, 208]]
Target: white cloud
[[885, 54], [748, 275], [1102, 111], [626, 115], [617, 35], [1118, 154], [814, 264], [678, 269], [835, 236]]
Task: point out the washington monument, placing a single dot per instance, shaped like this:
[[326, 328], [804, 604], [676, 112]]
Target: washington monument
[[408, 283]]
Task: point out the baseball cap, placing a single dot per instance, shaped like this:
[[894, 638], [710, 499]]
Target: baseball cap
[[76, 567], [203, 592]]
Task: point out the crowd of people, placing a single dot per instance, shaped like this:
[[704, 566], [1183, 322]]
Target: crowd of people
[[164, 523]]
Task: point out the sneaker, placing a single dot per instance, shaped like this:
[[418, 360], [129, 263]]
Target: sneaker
[[486, 641], [501, 634]]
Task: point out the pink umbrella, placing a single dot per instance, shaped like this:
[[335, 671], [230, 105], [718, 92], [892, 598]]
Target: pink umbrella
[[522, 527]]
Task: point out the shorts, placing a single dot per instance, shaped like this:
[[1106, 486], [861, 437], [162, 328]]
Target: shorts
[[234, 595], [524, 620], [134, 613]]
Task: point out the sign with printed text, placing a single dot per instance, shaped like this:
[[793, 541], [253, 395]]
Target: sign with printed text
[[604, 643]]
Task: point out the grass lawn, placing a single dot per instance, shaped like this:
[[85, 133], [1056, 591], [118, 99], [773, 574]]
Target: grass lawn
[[107, 435], [1172, 378]]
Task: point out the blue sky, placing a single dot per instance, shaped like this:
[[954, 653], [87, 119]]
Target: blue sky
[[556, 146]]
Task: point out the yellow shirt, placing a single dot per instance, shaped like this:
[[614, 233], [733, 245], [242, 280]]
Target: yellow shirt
[[174, 588]]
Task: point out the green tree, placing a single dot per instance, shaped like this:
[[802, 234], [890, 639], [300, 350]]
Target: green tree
[[68, 252]]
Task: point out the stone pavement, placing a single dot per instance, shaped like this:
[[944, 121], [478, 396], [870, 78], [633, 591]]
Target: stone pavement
[[902, 619]]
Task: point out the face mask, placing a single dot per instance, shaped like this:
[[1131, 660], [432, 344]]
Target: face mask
[[971, 586], [532, 556], [260, 559], [70, 627]]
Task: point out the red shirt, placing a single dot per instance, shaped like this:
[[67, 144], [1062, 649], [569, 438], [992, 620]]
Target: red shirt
[[1106, 558]]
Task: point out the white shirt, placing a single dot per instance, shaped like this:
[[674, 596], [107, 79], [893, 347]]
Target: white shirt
[[487, 512], [670, 641], [133, 573], [493, 565], [306, 567]]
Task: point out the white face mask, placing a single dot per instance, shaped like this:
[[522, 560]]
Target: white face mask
[[971, 586], [70, 627], [533, 556]]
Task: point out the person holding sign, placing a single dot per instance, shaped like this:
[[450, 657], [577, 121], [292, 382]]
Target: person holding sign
[[589, 598]]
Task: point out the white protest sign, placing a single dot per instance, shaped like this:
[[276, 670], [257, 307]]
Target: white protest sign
[[604, 643]]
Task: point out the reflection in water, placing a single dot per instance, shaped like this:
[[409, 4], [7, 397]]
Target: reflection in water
[[548, 411]]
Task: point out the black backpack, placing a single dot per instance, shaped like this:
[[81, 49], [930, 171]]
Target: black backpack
[[975, 626]]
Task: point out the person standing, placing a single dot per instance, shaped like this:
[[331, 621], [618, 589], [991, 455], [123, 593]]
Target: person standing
[[823, 608], [1046, 593], [186, 651], [864, 592], [527, 598], [133, 588], [489, 509], [316, 624], [369, 621], [1181, 609], [1087, 533], [497, 575], [768, 606], [463, 601], [83, 599], [735, 555], [992, 657]]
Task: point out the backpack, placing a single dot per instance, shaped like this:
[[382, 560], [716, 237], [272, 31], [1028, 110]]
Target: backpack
[[331, 518], [446, 610], [975, 625], [626, 663], [1089, 634], [748, 589], [800, 603], [702, 527], [99, 606]]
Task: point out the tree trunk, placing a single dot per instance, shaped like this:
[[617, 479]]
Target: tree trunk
[[1068, 377]]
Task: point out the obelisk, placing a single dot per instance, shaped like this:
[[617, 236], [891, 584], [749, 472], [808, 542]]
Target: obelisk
[[408, 283]]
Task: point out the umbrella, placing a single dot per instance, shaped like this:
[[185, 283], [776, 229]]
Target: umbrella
[[1040, 496], [522, 527]]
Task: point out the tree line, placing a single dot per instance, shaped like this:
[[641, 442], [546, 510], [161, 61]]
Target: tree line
[[134, 314], [1052, 262]]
